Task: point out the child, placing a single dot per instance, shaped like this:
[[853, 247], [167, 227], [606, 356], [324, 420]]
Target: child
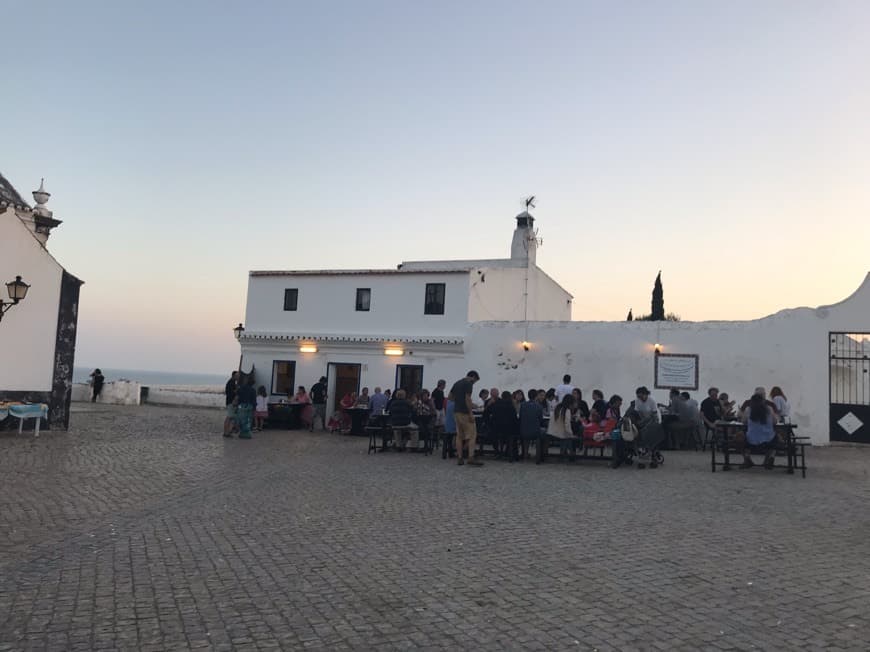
[[261, 413]]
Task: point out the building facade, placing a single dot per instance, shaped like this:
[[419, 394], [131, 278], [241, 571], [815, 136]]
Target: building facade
[[426, 320], [404, 327], [38, 335]]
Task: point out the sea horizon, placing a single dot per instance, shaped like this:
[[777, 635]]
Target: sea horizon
[[150, 376]]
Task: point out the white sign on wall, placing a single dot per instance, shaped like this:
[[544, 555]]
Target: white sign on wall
[[676, 370]]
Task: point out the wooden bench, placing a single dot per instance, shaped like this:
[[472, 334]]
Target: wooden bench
[[729, 438]]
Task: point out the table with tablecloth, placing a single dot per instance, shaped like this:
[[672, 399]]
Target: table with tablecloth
[[24, 411]]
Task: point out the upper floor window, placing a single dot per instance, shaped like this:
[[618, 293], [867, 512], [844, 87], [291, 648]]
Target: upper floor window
[[434, 299], [291, 298], [363, 299]]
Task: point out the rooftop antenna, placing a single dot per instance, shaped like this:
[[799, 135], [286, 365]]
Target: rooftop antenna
[[530, 202]]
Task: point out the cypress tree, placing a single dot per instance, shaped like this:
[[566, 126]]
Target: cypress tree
[[630, 316], [658, 300]]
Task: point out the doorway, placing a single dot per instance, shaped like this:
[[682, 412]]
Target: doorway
[[849, 386], [409, 377], [341, 378]]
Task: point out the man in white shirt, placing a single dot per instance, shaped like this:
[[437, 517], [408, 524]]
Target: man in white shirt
[[645, 406], [565, 388]]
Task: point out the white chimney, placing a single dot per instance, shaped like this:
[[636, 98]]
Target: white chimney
[[525, 243]]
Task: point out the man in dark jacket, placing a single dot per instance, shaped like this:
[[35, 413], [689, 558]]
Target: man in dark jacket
[[401, 414], [504, 425], [531, 420]]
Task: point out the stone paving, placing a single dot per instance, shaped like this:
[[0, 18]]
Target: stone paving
[[143, 529]]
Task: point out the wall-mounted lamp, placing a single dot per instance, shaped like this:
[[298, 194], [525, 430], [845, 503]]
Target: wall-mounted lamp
[[658, 347], [17, 290], [238, 330], [393, 350], [308, 348], [526, 346]]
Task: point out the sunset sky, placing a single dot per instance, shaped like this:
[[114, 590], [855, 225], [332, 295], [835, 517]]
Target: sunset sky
[[185, 143]]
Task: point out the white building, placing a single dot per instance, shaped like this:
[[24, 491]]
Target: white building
[[38, 335], [427, 320], [403, 327]]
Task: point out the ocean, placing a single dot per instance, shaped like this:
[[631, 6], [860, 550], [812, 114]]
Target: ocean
[[82, 375]]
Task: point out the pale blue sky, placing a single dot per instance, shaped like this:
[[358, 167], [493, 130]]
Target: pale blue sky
[[726, 143]]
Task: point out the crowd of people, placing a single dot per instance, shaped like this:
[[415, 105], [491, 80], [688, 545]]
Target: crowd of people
[[510, 420]]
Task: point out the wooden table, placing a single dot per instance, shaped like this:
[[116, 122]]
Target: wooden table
[[726, 431], [358, 417]]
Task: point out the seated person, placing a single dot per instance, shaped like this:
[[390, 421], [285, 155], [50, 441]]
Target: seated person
[[560, 423], [582, 409], [363, 399], [598, 402], [727, 406], [401, 421], [503, 424], [763, 392], [760, 434], [711, 408], [378, 402], [781, 404], [531, 420], [643, 410]]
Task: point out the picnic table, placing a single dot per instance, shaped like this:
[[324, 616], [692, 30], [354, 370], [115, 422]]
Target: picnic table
[[727, 439], [285, 415]]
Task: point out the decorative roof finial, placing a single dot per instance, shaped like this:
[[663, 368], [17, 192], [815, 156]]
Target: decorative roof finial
[[41, 196]]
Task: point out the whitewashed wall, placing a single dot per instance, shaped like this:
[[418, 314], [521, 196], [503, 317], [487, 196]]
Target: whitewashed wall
[[28, 331], [327, 304], [377, 369], [496, 293], [789, 349]]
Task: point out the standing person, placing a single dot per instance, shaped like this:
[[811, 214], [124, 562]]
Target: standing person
[[449, 429], [466, 429], [97, 380], [247, 398], [438, 400], [230, 390], [552, 402], [565, 388], [318, 404], [306, 412], [262, 411]]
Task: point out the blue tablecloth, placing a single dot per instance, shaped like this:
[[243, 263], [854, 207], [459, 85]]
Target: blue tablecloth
[[25, 411]]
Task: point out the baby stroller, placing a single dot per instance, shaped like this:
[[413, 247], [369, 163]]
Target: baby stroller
[[642, 445]]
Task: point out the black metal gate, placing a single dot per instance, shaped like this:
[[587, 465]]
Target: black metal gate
[[849, 382]]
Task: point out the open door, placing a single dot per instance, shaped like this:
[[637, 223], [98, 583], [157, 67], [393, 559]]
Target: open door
[[341, 378]]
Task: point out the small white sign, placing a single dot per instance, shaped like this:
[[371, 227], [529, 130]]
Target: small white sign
[[676, 370], [850, 423]]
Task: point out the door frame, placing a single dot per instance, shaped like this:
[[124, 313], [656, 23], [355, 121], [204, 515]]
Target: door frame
[[841, 400], [399, 374], [332, 376]]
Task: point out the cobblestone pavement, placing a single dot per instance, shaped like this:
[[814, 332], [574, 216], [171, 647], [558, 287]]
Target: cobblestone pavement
[[142, 528]]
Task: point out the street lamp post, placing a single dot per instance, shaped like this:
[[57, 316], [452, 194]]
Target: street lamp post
[[238, 330], [17, 290]]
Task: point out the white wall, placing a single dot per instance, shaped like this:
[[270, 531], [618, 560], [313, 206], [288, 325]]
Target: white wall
[[496, 293], [28, 331], [327, 304], [789, 349], [377, 368]]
